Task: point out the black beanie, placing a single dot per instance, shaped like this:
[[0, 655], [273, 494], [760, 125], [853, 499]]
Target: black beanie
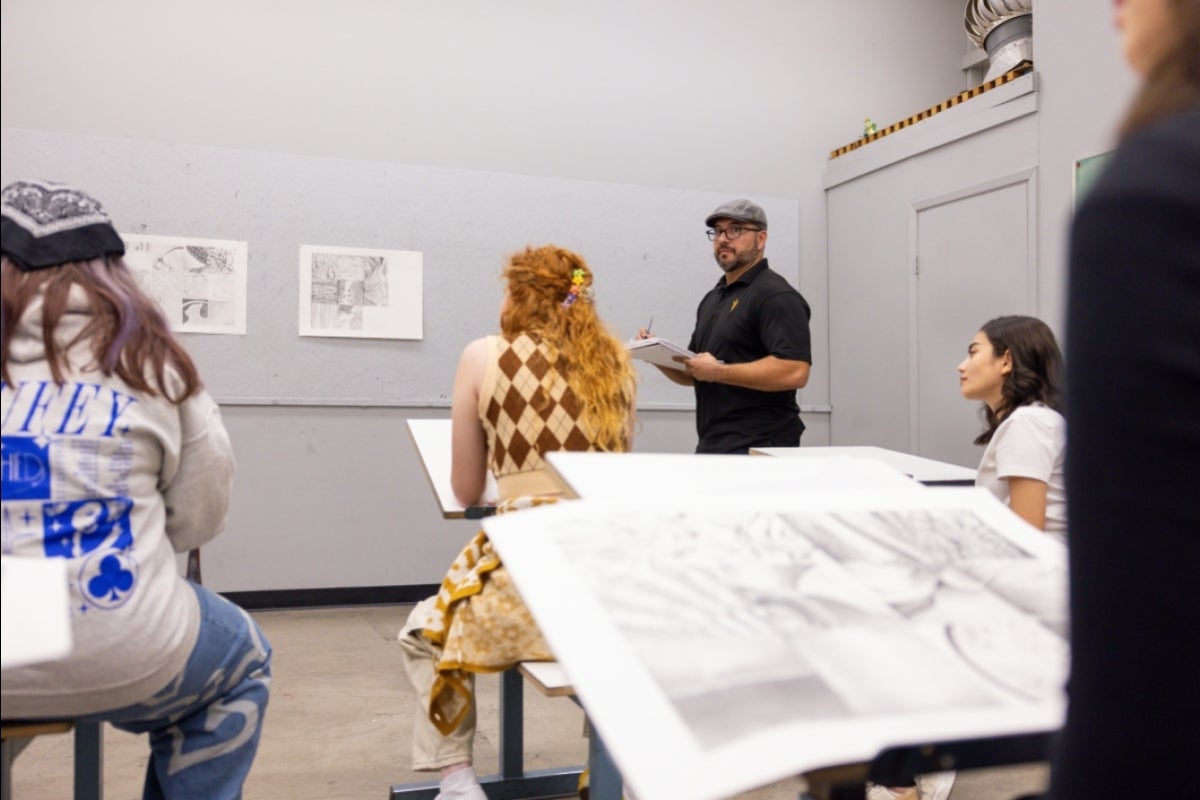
[[44, 224]]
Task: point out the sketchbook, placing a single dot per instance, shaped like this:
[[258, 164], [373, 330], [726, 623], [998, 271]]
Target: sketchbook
[[724, 642], [659, 351]]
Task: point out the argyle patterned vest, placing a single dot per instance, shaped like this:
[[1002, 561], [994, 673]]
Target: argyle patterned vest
[[526, 407]]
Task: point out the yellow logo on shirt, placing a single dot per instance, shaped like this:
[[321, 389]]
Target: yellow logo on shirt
[[733, 305]]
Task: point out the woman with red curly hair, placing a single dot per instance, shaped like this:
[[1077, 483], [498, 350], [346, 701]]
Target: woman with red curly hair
[[554, 378]]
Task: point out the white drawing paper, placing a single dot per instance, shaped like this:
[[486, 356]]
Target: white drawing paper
[[35, 613], [674, 476], [199, 283], [361, 293], [726, 642]]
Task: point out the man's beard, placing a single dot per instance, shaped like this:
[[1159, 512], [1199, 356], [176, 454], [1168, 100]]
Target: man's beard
[[739, 260]]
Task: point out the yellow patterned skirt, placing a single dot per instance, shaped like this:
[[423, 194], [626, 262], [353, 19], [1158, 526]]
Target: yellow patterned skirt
[[480, 624]]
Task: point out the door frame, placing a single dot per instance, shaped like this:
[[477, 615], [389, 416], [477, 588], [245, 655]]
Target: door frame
[[1025, 176]]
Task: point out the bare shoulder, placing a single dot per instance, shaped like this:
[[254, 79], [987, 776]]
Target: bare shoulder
[[472, 365], [475, 352]]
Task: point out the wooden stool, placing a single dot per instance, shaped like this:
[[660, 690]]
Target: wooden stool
[[89, 750]]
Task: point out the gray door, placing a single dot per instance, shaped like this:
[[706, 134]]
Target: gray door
[[974, 259]]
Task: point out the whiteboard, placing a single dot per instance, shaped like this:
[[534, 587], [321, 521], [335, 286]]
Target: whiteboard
[[645, 244]]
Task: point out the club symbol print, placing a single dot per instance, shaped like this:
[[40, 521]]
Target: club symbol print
[[107, 578]]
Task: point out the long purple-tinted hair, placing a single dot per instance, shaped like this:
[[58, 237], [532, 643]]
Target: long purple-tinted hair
[[126, 330]]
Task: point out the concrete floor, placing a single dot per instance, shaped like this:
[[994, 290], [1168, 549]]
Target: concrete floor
[[339, 725]]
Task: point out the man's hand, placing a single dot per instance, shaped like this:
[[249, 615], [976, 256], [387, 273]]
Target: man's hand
[[767, 374], [681, 376], [704, 367]]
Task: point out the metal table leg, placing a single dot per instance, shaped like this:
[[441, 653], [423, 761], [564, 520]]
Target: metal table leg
[[512, 782]]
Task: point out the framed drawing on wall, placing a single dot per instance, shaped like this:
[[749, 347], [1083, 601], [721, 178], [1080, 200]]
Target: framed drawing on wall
[[199, 283], [361, 293]]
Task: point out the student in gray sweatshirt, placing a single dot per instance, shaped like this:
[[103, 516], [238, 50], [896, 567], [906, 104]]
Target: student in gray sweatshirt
[[114, 459]]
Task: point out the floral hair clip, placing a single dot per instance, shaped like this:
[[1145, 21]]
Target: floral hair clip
[[577, 289]]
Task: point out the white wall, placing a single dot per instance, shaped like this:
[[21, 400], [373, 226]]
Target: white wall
[[1084, 87], [745, 98], [895, 338], [659, 93]]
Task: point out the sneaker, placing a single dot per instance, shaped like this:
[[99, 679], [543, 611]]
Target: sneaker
[[461, 785], [935, 785], [877, 792]]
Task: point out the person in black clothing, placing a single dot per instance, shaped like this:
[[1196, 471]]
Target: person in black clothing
[[751, 341], [1133, 407]]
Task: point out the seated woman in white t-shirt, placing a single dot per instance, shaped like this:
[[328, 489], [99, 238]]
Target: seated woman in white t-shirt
[[1014, 366]]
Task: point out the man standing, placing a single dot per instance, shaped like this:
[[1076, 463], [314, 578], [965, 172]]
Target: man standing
[[751, 341]]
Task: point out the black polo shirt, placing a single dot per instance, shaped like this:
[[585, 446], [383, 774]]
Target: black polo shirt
[[760, 314]]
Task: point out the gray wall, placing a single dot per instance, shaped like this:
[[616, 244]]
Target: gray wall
[[1084, 87], [893, 382], [334, 497], [461, 221], [696, 95]]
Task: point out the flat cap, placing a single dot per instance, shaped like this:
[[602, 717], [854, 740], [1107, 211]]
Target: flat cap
[[742, 211]]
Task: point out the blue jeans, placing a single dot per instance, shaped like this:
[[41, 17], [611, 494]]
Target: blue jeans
[[205, 725]]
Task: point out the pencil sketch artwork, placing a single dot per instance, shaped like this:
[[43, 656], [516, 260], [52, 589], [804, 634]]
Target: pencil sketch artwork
[[794, 617], [199, 283], [356, 292]]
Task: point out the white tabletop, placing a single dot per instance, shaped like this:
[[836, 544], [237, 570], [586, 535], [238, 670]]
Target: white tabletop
[[669, 476], [549, 678], [432, 438], [925, 470]]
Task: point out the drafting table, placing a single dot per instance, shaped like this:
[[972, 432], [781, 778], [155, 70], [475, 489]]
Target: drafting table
[[925, 470], [604, 781], [664, 476], [678, 714], [512, 781], [668, 476], [432, 438]]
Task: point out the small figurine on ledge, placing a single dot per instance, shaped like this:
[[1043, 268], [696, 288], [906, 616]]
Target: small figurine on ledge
[[868, 127]]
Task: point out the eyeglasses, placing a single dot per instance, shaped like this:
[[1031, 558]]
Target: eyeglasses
[[731, 233]]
